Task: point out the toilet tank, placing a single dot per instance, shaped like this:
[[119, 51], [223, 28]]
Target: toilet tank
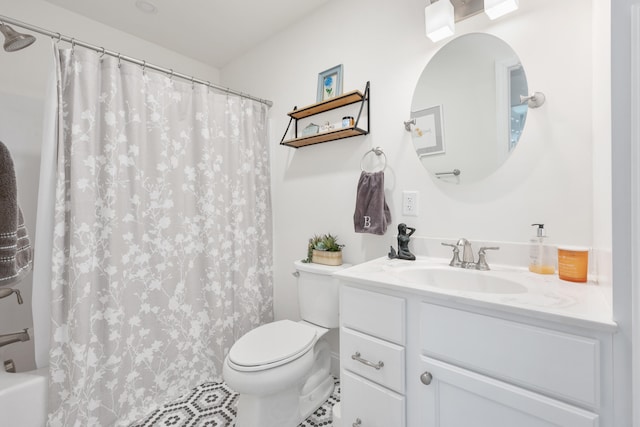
[[318, 293]]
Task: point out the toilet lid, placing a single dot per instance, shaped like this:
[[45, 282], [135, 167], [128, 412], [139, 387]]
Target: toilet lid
[[272, 344]]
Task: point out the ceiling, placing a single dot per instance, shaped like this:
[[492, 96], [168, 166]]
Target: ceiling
[[211, 31]]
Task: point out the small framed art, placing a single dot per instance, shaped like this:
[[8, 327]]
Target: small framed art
[[330, 83], [428, 134]]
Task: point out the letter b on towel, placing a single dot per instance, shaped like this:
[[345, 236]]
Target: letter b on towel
[[372, 214]]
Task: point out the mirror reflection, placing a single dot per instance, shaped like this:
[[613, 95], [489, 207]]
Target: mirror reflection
[[467, 109]]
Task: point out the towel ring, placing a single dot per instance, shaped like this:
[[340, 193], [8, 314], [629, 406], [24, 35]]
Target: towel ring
[[378, 152]]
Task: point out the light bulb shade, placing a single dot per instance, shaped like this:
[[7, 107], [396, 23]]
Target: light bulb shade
[[496, 8], [439, 20]]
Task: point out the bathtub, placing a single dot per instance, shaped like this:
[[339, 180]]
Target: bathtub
[[23, 398]]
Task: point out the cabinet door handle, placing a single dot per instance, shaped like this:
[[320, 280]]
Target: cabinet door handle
[[375, 366], [358, 423], [426, 378]]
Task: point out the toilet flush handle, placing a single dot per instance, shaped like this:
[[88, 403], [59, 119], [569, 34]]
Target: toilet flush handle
[[296, 274]]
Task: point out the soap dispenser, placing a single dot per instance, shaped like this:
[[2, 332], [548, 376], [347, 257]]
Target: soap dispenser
[[541, 255]]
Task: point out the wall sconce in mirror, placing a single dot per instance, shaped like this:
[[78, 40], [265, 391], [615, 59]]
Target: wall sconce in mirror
[[440, 16], [534, 100], [408, 124]]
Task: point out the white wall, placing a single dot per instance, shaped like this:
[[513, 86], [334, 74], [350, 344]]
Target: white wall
[[549, 178], [24, 72], [601, 126], [23, 77]]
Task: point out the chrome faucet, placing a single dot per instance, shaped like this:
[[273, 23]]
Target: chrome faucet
[[455, 261], [15, 337], [482, 259], [467, 253], [5, 292]]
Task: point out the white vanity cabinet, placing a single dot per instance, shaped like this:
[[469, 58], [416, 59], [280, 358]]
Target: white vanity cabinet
[[372, 358], [489, 371], [459, 397], [450, 364]]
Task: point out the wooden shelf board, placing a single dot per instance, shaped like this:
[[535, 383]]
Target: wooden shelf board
[[330, 104], [324, 137]]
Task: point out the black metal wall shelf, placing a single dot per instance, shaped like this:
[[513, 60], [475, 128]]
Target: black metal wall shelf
[[320, 107]]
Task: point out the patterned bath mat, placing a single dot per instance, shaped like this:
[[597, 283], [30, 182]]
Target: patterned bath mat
[[214, 405]]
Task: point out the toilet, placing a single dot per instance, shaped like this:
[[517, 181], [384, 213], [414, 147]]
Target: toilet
[[281, 370]]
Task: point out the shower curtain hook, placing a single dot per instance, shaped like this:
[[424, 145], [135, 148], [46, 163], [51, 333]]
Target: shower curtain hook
[[144, 67], [193, 84], [208, 86], [59, 38], [102, 55], [171, 74], [73, 46], [119, 62]]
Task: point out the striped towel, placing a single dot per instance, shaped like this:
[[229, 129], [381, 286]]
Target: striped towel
[[16, 253]]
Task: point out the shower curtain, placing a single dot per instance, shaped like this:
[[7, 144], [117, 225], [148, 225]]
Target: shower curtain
[[162, 237]]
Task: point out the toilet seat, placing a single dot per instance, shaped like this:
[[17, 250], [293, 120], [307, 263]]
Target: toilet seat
[[271, 345]]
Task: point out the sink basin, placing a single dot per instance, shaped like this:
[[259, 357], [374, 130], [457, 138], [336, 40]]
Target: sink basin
[[457, 279]]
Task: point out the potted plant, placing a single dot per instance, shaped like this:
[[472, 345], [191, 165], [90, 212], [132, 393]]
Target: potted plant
[[324, 249]]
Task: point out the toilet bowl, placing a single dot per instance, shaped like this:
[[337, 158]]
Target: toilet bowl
[[281, 370]]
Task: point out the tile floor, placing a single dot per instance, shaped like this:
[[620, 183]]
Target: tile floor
[[214, 405]]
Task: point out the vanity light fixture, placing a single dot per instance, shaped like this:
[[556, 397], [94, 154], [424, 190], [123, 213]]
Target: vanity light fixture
[[535, 100], [440, 16], [439, 20], [497, 8]]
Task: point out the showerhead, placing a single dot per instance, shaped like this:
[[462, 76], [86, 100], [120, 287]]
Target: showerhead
[[15, 40]]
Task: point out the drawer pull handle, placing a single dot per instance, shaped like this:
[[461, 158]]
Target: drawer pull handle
[[426, 378], [375, 366], [357, 423]]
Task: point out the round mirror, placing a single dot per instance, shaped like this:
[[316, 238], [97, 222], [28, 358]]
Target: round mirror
[[467, 109]]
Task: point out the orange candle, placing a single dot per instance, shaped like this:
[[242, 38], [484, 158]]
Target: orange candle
[[573, 263]]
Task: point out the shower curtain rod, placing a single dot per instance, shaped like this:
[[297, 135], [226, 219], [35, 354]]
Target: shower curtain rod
[[102, 50]]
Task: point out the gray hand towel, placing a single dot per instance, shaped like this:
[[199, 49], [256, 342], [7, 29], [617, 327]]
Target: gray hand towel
[[372, 214], [15, 249]]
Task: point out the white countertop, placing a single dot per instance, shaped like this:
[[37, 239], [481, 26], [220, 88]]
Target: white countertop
[[546, 296]]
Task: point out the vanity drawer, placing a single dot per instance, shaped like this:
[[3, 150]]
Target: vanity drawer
[[387, 359], [549, 361], [373, 405], [376, 314]]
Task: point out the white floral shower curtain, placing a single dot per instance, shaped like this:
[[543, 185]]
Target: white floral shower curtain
[[162, 240]]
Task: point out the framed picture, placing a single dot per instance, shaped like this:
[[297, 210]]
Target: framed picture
[[330, 83], [428, 133]]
